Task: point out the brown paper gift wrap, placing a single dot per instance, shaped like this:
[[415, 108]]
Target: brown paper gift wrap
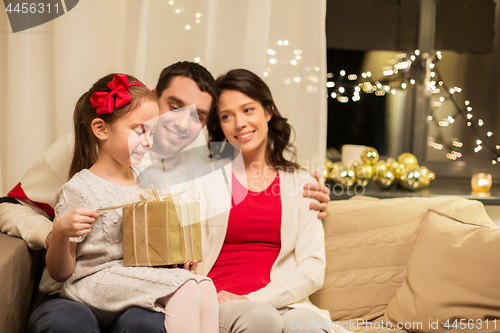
[[158, 233]]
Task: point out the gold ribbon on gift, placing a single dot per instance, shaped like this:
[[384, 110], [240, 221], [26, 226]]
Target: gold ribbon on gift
[[156, 198], [181, 208]]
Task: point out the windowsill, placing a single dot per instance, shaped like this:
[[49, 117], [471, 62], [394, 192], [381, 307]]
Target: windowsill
[[437, 187]]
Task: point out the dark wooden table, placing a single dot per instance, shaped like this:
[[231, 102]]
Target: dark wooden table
[[438, 187]]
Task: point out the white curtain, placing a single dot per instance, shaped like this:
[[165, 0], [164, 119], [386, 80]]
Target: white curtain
[[45, 69]]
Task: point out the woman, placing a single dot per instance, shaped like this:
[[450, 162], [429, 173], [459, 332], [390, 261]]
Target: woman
[[270, 253]]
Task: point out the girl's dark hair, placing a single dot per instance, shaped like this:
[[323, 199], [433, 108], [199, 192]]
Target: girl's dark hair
[[86, 143], [278, 138]]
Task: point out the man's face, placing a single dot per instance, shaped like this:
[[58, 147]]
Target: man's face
[[184, 110]]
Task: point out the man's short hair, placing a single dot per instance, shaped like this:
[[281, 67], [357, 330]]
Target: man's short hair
[[199, 74]]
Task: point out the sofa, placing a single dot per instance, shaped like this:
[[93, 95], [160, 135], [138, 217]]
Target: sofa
[[419, 264]]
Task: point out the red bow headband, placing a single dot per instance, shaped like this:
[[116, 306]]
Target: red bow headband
[[108, 102]]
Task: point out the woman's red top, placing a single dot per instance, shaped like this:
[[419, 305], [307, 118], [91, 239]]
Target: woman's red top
[[252, 241]]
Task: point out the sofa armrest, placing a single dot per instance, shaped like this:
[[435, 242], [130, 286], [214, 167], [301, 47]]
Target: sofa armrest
[[20, 270]]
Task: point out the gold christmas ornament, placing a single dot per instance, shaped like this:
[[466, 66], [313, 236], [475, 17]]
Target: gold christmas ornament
[[395, 168], [383, 174], [426, 177], [385, 180], [379, 169], [407, 159], [404, 171], [343, 174], [363, 173], [369, 156], [335, 169], [412, 179]]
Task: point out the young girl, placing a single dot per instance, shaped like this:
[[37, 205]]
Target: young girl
[[113, 123], [273, 221]]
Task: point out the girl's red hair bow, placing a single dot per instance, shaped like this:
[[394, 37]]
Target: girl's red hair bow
[[107, 102]]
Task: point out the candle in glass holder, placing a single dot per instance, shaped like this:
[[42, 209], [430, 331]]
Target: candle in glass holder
[[481, 182]]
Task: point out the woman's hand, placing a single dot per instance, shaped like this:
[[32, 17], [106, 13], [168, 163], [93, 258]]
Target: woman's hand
[[75, 224], [320, 193], [224, 296]]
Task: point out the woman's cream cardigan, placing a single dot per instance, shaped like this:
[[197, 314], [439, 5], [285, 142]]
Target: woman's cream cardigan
[[299, 269]]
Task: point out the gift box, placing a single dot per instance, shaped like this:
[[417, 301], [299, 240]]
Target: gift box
[[159, 233]]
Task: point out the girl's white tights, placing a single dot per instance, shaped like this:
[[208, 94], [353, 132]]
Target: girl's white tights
[[193, 308]]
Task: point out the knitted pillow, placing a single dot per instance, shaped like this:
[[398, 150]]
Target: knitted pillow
[[452, 280], [368, 243]]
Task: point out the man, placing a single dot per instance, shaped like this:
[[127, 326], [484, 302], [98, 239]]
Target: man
[[186, 94]]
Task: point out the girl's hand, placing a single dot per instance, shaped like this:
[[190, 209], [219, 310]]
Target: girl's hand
[[189, 266], [224, 296], [75, 224]]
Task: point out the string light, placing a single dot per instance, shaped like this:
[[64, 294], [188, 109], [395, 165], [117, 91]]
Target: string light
[[456, 143], [397, 74]]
